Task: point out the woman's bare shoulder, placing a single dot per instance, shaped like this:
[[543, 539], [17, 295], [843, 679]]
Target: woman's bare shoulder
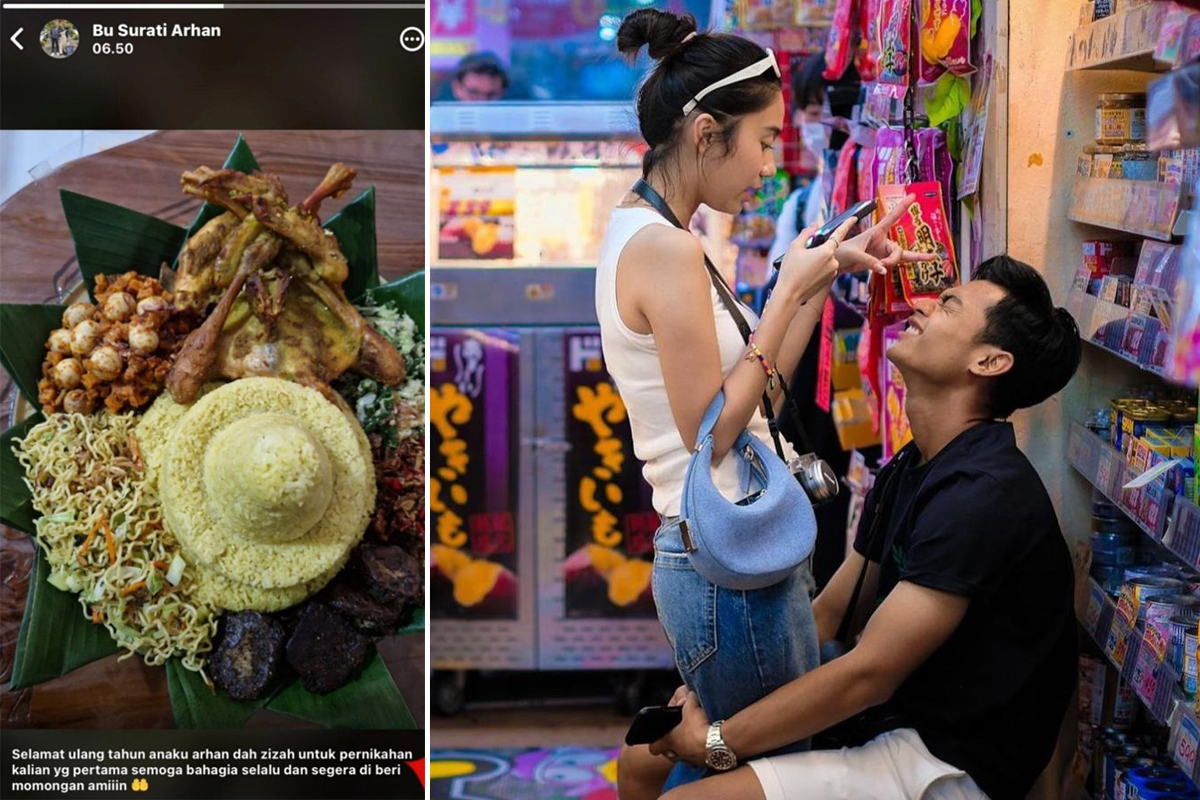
[[665, 251]]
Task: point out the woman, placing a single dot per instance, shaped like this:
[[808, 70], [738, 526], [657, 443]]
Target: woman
[[710, 112]]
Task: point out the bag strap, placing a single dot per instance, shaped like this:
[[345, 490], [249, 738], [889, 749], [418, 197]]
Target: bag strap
[[647, 192], [709, 420], [887, 496]]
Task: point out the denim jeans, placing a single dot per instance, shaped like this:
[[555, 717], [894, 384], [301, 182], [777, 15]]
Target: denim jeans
[[731, 647]]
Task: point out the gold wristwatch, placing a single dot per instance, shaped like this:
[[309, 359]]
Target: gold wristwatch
[[719, 756]]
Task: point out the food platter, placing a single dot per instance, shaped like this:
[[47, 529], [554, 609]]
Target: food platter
[[53, 621]]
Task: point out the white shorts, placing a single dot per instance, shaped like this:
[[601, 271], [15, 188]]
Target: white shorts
[[893, 766]]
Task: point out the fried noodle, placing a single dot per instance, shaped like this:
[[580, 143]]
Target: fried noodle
[[102, 531]]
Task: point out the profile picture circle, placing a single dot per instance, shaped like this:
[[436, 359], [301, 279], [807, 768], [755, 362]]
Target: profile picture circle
[[59, 38]]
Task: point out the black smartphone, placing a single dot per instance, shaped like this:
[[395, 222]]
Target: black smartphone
[[652, 723], [859, 211]]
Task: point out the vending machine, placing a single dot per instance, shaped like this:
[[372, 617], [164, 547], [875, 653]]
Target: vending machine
[[542, 527]]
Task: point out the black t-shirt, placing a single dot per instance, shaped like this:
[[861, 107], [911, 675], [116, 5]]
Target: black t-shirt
[[976, 521]]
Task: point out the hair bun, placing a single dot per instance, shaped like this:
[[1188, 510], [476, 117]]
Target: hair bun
[[663, 31], [1067, 321]]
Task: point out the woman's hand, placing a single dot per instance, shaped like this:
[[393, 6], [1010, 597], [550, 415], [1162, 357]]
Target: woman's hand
[[808, 271], [873, 250], [688, 740]]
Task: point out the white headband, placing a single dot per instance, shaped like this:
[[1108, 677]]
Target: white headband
[[752, 71]]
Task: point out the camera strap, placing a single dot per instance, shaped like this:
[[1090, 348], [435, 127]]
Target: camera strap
[[647, 192]]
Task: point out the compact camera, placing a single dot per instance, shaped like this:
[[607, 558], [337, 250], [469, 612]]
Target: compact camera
[[816, 476]]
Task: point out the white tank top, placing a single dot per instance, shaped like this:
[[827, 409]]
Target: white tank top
[[632, 360]]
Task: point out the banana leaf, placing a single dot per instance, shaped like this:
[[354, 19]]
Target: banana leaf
[[369, 700], [54, 638], [24, 330], [415, 625], [354, 227], [196, 706], [408, 293], [111, 240], [16, 503]]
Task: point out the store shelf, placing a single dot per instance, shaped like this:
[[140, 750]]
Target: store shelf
[[1173, 522], [1095, 317], [1115, 628], [506, 120], [1183, 222], [1125, 40], [1130, 650], [1144, 208]]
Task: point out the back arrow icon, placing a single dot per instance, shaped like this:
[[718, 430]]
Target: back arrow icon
[[13, 38]]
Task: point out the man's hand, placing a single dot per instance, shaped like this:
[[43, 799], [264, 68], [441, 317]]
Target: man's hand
[[687, 741], [873, 250]]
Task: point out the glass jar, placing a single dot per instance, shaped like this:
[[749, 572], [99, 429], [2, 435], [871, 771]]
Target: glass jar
[[1121, 118]]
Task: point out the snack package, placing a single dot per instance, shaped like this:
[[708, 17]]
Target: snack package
[[845, 181], [866, 59], [891, 163], [945, 39], [933, 158], [841, 40], [866, 172], [924, 229], [895, 48]]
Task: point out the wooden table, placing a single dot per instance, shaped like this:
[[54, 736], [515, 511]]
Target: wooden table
[[36, 251]]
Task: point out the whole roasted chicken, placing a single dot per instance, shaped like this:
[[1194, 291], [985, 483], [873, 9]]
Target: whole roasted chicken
[[276, 277]]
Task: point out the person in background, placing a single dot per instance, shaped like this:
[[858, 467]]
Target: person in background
[[478, 77], [807, 206], [54, 36]]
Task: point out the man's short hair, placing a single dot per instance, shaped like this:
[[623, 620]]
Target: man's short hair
[[1043, 340], [481, 64]]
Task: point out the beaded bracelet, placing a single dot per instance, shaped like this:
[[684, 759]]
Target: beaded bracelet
[[757, 353]]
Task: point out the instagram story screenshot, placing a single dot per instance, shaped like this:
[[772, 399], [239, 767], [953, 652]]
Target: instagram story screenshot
[[212, 400]]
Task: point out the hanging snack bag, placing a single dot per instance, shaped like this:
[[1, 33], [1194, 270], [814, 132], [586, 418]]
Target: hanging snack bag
[[845, 181], [840, 46], [945, 38], [891, 161], [866, 172], [924, 229], [933, 158], [894, 41], [866, 60]]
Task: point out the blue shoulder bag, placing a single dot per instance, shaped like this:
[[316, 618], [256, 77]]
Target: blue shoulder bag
[[759, 541], [756, 542]]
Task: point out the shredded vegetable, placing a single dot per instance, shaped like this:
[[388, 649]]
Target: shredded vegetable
[[377, 406]]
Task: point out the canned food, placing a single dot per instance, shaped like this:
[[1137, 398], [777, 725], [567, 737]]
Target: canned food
[[1159, 790], [1121, 118], [1131, 783], [1161, 608], [1151, 588], [1117, 764]]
